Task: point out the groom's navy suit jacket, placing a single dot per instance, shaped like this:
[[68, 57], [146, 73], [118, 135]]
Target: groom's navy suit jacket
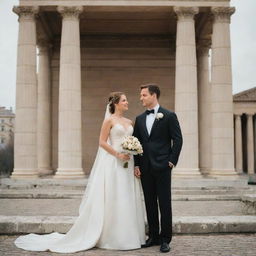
[[162, 145]]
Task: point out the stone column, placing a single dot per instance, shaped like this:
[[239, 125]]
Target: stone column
[[44, 110], [250, 146], [186, 90], [222, 99], [238, 144], [70, 129], [204, 104], [25, 139]]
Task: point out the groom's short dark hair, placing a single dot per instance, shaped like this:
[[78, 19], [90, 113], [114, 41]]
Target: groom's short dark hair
[[152, 88]]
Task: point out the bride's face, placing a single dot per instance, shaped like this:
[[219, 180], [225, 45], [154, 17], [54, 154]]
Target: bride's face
[[122, 105]]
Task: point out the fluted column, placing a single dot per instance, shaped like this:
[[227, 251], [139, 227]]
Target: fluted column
[[25, 139], [44, 110], [250, 146], [222, 99], [238, 144], [186, 90], [70, 129], [204, 104]]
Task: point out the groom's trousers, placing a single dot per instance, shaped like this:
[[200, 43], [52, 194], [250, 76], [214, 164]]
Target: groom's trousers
[[156, 186]]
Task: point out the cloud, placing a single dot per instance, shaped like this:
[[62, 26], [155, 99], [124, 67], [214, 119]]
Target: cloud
[[243, 38], [8, 52]]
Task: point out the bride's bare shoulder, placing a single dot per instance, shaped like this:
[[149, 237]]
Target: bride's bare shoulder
[[108, 121]]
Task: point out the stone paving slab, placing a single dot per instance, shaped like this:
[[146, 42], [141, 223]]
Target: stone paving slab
[[182, 245], [181, 225]]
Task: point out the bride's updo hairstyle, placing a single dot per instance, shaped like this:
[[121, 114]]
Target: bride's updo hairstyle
[[113, 99]]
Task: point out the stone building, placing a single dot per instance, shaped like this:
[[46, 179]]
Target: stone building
[[6, 126], [245, 131], [86, 49]]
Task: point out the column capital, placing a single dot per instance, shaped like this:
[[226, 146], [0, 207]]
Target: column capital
[[222, 14], [237, 116], [70, 11], [203, 46], [185, 13], [27, 12]]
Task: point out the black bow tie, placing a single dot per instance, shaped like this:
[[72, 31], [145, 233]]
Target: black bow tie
[[152, 111]]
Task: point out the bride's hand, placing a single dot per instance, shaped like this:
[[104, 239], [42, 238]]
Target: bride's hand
[[124, 157]]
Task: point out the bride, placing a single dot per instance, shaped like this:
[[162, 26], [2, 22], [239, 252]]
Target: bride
[[111, 212]]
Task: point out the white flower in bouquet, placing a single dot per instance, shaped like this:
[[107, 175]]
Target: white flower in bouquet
[[131, 145]]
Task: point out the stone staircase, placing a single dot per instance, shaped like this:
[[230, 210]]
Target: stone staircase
[[200, 206]]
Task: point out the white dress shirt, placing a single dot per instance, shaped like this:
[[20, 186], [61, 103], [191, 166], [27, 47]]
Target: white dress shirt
[[151, 118]]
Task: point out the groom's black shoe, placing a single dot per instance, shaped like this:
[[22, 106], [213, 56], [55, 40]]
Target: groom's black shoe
[[150, 242], [165, 247]]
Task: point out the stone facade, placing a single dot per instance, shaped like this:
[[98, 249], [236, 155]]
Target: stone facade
[[89, 48], [6, 126], [245, 131]]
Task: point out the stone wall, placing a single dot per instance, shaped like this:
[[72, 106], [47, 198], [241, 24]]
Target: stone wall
[[114, 64]]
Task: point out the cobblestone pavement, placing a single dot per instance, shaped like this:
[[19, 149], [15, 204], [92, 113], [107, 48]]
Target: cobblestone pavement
[[187, 245]]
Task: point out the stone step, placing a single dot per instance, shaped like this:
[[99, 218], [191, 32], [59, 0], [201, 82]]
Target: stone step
[[64, 194], [11, 225], [178, 193], [70, 207], [7, 183], [80, 184]]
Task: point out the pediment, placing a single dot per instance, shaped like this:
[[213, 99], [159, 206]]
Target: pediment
[[247, 95]]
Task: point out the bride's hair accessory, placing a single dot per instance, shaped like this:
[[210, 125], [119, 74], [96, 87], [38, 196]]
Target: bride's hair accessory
[[113, 99]]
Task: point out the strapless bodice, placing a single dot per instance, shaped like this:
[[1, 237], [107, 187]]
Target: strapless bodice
[[117, 134]]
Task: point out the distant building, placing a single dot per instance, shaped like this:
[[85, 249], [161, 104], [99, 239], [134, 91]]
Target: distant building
[[244, 104], [6, 126]]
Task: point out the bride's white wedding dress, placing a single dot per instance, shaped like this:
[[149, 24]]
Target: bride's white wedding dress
[[111, 214]]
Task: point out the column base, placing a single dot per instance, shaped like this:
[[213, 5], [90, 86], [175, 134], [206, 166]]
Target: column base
[[239, 171], [45, 172], [24, 174], [204, 171], [223, 173], [69, 174], [186, 173]]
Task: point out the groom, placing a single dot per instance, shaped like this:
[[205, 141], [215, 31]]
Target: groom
[[158, 131]]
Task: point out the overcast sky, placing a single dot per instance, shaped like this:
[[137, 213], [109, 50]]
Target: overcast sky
[[243, 36]]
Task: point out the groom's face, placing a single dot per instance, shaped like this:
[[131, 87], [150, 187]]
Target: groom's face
[[146, 98]]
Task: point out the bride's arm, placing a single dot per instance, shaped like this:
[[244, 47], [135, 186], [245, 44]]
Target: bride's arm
[[104, 134]]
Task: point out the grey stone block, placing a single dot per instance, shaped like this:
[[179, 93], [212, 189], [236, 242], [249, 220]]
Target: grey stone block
[[181, 225]]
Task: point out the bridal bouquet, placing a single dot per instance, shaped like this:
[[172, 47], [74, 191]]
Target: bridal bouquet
[[131, 145]]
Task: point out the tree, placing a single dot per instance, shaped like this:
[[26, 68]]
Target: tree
[[7, 158]]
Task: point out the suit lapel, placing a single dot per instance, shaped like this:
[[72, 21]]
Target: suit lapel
[[144, 124]]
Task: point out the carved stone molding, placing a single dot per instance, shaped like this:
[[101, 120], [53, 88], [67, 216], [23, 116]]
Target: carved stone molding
[[26, 12], [186, 13], [70, 11], [246, 96], [222, 14]]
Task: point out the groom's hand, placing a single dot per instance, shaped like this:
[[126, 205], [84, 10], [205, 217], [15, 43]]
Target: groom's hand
[[171, 165], [137, 172]]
